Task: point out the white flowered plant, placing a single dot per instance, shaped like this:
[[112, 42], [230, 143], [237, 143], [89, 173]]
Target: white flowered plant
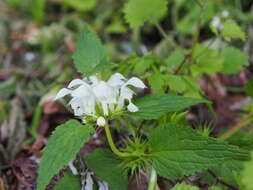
[[91, 95], [218, 21]]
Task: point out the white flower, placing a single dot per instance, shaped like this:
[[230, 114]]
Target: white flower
[[225, 14], [110, 96], [216, 22], [101, 121]]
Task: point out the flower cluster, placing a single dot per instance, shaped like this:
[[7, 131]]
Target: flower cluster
[[91, 95], [218, 21]]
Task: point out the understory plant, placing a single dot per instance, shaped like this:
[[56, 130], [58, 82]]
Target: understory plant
[[143, 100]]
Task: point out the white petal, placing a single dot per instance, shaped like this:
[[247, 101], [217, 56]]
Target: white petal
[[132, 108], [63, 92], [81, 91], [105, 108], [88, 182], [134, 81], [103, 185], [94, 80], [104, 92], [126, 93], [116, 80], [75, 82], [73, 168], [101, 121]]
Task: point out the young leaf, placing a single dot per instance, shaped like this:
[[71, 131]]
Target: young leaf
[[179, 150], [234, 60], [174, 60], [62, 147], [157, 105], [106, 166], [184, 186], [81, 5], [69, 182], [156, 82], [231, 30], [208, 61], [139, 11], [90, 55]]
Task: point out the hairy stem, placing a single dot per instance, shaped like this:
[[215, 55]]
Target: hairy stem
[[152, 180], [114, 149]]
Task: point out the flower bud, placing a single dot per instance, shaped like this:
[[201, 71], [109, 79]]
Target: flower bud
[[101, 121]]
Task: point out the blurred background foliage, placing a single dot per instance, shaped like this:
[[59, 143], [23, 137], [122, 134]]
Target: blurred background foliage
[[38, 38]]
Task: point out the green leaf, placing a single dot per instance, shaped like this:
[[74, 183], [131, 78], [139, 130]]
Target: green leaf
[[62, 147], [231, 30], [208, 61], [156, 82], [176, 83], [234, 60], [144, 63], [139, 11], [157, 105], [81, 5], [247, 174], [179, 150], [106, 166], [184, 186], [242, 139], [90, 55], [69, 182], [174, 60], [249, 87]]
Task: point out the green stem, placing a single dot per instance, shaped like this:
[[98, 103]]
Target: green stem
[[237, 127], [163, 33], [112, 145], [152, 180]]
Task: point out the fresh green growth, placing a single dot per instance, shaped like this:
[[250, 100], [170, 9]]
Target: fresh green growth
[[62, 147]]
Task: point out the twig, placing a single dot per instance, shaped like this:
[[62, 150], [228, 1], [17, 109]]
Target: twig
[[181, 64], [163, 33]]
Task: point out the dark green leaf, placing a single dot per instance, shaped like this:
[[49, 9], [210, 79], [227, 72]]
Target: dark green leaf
[[90, 55], [106, 166], [157, 105], [62, 147], [179, 150], [69, 182], [249, 87]]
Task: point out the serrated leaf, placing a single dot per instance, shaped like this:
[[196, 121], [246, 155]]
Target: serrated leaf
[[184, 186], [157, 105], [139, 11], [106, 166], [174, 60], [175, 82], [229, 171], [242, 139], [234, 60], [144, 63], [90, 55], [179, 150], [63, 145], [68, 182], [81, 5], [208, 61], [156, 82], [231, 30], [247, 174]]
